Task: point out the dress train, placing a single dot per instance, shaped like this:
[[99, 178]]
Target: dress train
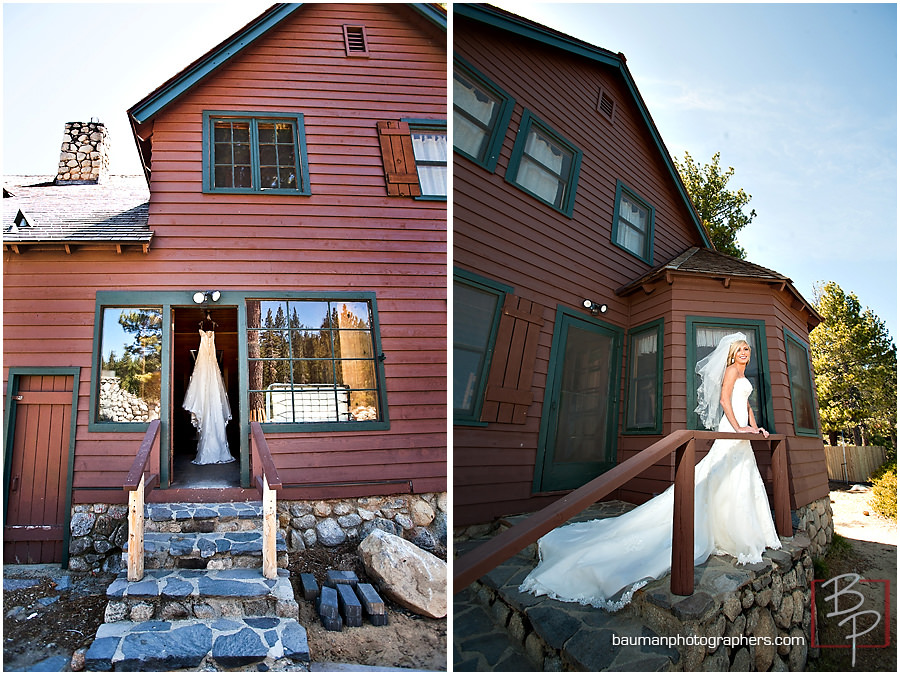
[[603, 562]]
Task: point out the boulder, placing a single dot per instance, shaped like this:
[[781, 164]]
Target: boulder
[[405, 573]]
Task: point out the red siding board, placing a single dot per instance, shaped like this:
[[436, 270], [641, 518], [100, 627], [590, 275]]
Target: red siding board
[[347, 235]]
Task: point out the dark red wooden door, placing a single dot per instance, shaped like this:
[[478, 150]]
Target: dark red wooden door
[[33, 531]]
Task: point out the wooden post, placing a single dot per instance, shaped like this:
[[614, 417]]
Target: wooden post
[[136, 532], [270, 527], [683, 521], [781, 497]]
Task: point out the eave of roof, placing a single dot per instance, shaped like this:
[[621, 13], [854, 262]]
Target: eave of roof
[[500, 19], [709, 263]]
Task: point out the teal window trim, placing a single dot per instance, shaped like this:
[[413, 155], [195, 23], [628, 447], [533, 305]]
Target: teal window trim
[[383, 423], [439, 126], [12, 389], [253, 118], [462, 417], [762, 355], [657, 327], [799, 430], [498, 124], [569, 175], [647, 254]]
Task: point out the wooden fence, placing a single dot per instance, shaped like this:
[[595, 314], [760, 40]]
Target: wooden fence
[[853, 463]]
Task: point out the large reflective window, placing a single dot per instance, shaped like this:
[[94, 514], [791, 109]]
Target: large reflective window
[[312, 361], [130, 361]]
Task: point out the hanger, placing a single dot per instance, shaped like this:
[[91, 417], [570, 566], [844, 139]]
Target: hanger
[[207, 318]]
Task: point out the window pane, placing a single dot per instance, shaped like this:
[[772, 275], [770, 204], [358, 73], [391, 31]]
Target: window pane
[[801, 387], [294, 376], [534, 177], [469, 137], [473, 317], [267, 155], [643, 387], [130, 364], [268, 176], [309, 314], [285, 133], [706, 338], [266, 132], [231, 149]]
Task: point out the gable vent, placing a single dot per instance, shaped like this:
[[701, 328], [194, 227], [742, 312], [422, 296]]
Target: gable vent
[[355, 41], [606, 106]]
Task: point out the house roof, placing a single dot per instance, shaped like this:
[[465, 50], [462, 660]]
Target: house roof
[[112, 212], [503, 20], [697, 261], [142, 112]]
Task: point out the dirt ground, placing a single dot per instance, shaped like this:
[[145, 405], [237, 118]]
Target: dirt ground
[[46, 621], [871, 552]]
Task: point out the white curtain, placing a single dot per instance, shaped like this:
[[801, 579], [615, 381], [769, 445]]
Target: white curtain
[[646, 344], [468, 136], [431, 147], [535, 174], [631, 237]]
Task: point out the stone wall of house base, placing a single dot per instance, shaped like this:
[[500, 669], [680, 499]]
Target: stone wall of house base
[[422, 519], [99, 531], [817, 521]]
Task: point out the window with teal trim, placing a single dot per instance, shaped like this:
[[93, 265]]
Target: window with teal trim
[[477, 305], [802, 397], [633, 224], [544, 164], [130, 365], [429, 143], [253, 152], [481, 113], [703, 335], [313, 361], [643, 412]]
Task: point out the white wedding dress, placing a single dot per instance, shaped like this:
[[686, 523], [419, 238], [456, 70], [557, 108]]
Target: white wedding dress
[[207, 401], [602, 562]]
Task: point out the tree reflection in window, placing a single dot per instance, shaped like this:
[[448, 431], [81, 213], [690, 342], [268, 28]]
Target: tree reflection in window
[[130, 364], [312, 361]]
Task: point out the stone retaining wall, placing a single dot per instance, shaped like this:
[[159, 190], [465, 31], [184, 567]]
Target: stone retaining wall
[[422, 519], [98, 533], [817, 521]]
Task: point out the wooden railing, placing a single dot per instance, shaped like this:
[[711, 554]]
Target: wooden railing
[[268, 482], [137, 487], [474, 564]]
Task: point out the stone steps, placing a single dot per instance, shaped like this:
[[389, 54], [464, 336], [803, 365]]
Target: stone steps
[[200, 594], [168, 645], [203, 602], [206, 550]]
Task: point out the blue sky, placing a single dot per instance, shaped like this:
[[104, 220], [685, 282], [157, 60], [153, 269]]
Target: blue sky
[[800, 99]]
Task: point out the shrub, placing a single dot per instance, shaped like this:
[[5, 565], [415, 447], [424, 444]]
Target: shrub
[[884, 493]]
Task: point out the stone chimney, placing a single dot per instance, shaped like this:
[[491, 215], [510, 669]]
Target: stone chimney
[[84, 158]]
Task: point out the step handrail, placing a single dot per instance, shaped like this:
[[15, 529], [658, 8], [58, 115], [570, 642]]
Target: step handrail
[[268, 482], [476, 563], [136, 485]]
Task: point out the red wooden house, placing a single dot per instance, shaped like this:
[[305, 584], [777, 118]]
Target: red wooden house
[[585, 286], [294, 200]]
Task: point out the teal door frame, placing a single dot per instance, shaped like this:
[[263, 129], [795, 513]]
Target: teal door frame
[[577, 473]]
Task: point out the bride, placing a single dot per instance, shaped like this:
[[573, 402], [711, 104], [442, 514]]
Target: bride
[[603, 562]]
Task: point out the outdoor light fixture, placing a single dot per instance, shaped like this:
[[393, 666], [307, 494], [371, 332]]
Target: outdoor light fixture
[[594, 308], [201, 297]]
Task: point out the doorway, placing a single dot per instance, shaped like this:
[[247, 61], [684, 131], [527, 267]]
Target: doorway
[[578, 428], [187, 323]]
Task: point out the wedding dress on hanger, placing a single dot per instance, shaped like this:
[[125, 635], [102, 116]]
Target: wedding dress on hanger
[[603, 562], [207, 401]]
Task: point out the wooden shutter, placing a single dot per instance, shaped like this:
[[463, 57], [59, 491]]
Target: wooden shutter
[[508, 392], [399, 161]]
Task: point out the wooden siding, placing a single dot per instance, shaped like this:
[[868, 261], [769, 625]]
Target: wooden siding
[[503, 234], [347, 236]]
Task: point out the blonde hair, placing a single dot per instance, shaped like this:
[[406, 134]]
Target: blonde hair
[[732, 350]]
